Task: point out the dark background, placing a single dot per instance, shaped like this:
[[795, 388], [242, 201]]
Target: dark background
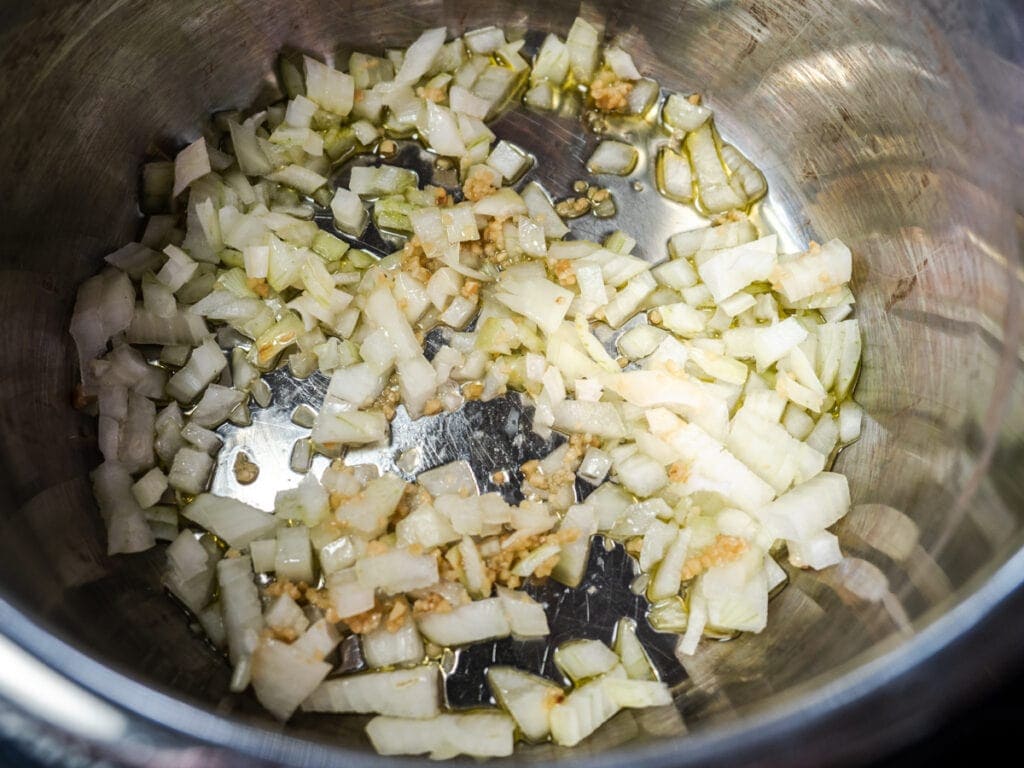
[[989, 725]]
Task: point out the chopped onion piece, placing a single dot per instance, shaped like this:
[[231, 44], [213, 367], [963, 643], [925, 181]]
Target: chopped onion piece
[[243, 616], [283, 614], [485, 40], [850, 417], [412, 693], [190, 471], [384, 648], [551, 62], [337, 426], [528, 698], [509, 160], [134, 258], [641, 475], [284, 675], [583, 659], [716, 195], [536, 298], [595, 466], [601, 419], [817, 552], [148, 489], [631, 652], [542, 211], [808, 508], [231, 520], [478, 734], [465, 101], [368, 512], [178, 269], [712, 467], [425, 526], [673, 175], [190, 164], [628, 300], [470, 623], [637, 694], [770, 451], [348, 211], [751, 180], [775, 342], [263, 553], [454, 478], [330, 89], [190, 572], [583, 45], [421, 55], [215, 406], [205, 364], [732, 269], [668, 576], [572, 560], [642, 97], [348, 597], [397, 571], [682, 114], [294, 557], [202, 438], [358, 385], [127, 529], [825, 268], [525, 616], [385, 180], [582, 712], [669, 616], [621, 63], [825, 435], [301, 178], [163, 522], [251, 159], [504, 203], [613, 157], [737, 593], [685, 244], [441, 130], [340, 553]]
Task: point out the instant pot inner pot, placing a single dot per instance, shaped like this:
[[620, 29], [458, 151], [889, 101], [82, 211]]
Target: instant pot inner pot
[[886, 124]]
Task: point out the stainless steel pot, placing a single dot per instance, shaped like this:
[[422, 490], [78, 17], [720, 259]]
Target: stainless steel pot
[[892, 124]]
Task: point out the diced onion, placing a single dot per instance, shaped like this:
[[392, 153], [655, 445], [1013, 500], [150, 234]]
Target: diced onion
[[613, 157], [471, 623], [283, 675], [330, 89], [235, 522], [527, 698], [582, 712], [584, 659], [582, 45], [631, 652], [703, 396], [385, 648], [681, 113], [193, 162], [478, 734], [402, 693]]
